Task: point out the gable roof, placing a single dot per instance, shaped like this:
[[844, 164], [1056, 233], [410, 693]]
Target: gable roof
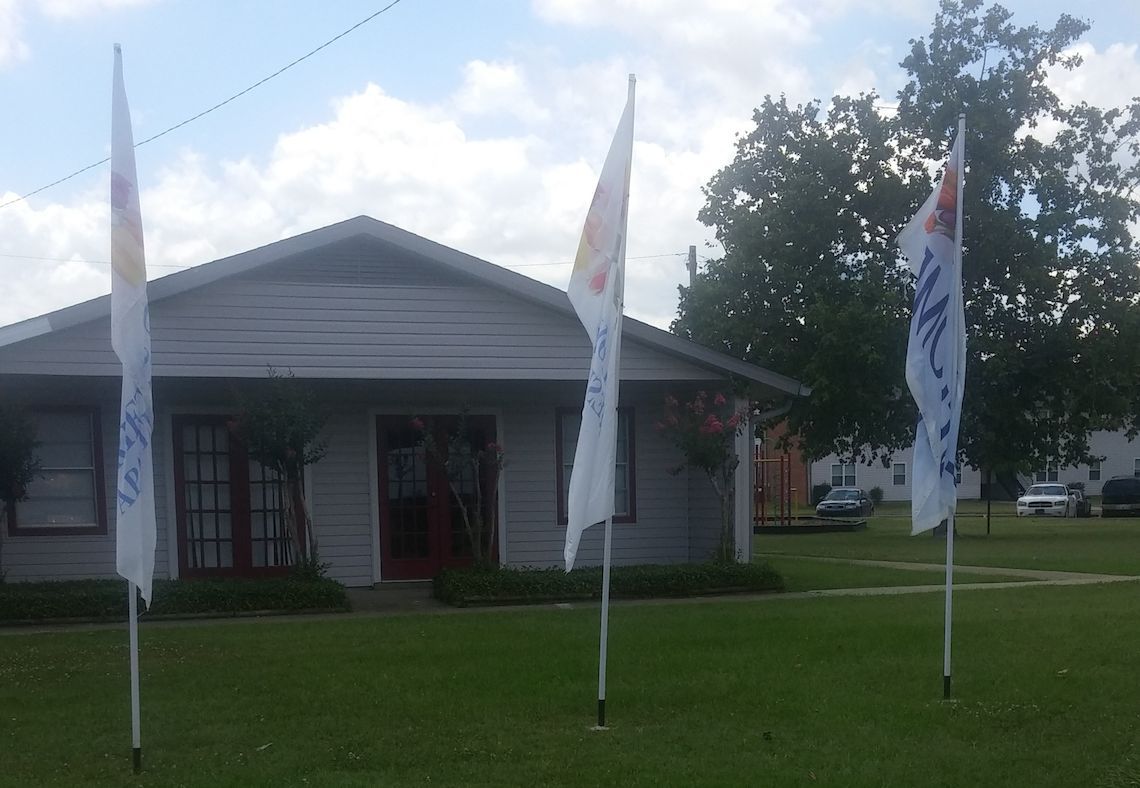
[[451, 259]]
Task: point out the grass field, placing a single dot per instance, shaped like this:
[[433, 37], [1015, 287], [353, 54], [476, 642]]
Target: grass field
[[780, 692], [1108, 546]]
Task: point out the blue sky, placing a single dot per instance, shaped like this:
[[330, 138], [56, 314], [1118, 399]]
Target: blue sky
[[479, 124]]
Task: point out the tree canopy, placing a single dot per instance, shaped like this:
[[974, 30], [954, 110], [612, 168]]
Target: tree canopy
[[812, 285]]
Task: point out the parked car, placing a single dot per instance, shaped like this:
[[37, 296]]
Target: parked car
[[1050, 500], [1120, 495], [845, 502], [1084, 505]]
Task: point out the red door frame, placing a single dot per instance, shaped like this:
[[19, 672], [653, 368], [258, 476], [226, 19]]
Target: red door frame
[[239, 505], [439, 504]]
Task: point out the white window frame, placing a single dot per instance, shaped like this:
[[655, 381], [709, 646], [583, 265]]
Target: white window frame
[[896, 474], [1094, 471], [843, 471], [569, 420], [18, 525]]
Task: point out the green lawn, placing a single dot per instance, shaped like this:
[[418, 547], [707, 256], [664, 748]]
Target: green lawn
[[806, 574], [1109, 546], [781, 692]]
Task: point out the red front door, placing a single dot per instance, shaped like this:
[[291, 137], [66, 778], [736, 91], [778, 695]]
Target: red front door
[[421, 522]]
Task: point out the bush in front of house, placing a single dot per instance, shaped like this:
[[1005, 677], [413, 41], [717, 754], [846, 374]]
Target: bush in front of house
[[463, 587], [107, 599], [876, 494], [819, 492]]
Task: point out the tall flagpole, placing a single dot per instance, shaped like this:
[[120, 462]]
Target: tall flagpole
[[958, 314], [135, 527], [603, 640], [136, 726]]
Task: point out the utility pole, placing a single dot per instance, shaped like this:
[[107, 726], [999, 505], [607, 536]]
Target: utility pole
[[692, 265]]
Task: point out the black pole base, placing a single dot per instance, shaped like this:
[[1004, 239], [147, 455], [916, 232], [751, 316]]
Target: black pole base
[[136, 754], [601, 712], [946, 688]]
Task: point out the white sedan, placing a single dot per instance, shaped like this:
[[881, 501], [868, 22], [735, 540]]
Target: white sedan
[[1051, 500]]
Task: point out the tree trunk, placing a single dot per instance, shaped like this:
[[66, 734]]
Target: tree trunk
[[291, 487]]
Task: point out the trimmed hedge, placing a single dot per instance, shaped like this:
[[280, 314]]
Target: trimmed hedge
[[107, 599], [464, 587]]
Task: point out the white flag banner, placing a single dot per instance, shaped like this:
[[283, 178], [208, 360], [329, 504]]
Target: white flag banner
[[596, 291], [135, 534], [936, 351]]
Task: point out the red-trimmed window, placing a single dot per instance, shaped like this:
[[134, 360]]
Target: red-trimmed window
[[567, 423], [67, 497], [230, 508]]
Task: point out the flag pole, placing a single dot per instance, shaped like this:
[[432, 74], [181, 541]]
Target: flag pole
[[950, 520], [133, 625], [604, 640]]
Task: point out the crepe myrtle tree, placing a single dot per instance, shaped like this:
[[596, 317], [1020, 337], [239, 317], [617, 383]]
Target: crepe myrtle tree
[[464, 460], [280, 427], [705, 429], [19, 463]]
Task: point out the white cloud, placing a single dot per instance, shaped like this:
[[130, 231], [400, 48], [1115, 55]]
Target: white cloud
[[78, 8], [12, 44], [12, 47], [513, 199], [1104, 79]]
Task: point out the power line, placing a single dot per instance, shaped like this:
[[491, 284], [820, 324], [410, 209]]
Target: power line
[[84, 260], [205, 112], [571, 262]]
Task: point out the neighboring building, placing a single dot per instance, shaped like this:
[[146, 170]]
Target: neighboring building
[[1122, 458], [383, 325]]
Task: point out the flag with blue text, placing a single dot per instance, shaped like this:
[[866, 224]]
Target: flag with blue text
[[596, 291], [135, 532], [936, 351]]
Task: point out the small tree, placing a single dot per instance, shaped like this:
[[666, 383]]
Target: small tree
[[819, 492], [704, 430], [876, 494], [281, 428], [18, 461], [462, 458]]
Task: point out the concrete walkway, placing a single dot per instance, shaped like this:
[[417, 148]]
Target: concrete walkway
[[1035, 574], [403, 599]]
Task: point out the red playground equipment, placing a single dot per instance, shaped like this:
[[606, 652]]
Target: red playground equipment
[[773, 493]]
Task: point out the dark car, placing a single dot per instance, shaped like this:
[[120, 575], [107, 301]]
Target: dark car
[[845, 502], [1120, 495]]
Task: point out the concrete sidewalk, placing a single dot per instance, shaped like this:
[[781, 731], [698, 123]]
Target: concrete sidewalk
[[404, 599], [1035, 574]]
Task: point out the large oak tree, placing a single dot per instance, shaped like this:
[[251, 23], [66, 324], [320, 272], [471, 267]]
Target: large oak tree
[[812, 285]]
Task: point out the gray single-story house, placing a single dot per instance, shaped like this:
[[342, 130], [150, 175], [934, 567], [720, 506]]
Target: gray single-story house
[[383, 325]]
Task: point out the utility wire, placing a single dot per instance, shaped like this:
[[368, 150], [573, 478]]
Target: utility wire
[[205, 112], [571, 262]]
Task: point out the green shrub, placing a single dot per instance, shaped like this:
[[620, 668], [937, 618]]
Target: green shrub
[[876, 494], [107, 599], [464, 587], [819, 492]]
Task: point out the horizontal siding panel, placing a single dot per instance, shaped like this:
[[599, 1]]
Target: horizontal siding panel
[[443, 328]]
